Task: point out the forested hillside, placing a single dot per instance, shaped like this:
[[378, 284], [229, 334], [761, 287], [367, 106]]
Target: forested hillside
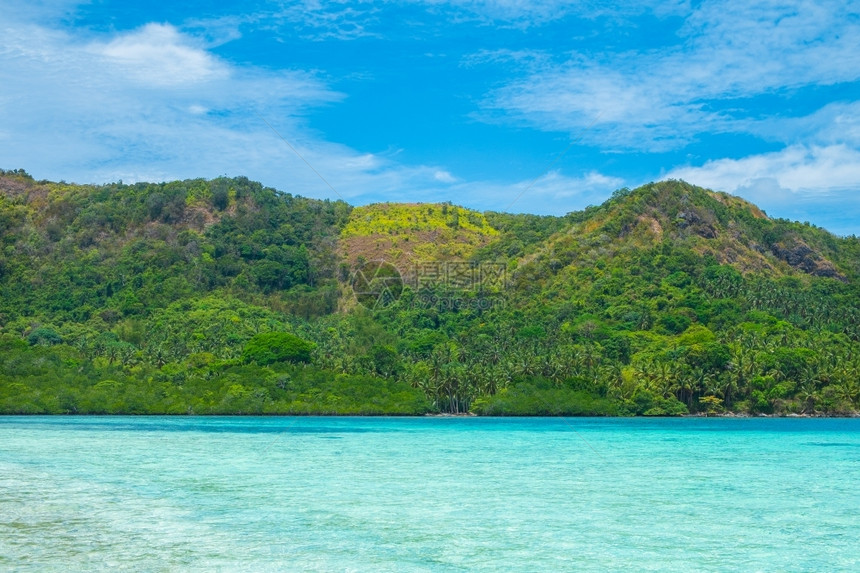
[[222, 296]]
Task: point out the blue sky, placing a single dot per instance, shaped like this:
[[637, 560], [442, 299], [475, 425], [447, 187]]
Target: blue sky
[[540, 107]]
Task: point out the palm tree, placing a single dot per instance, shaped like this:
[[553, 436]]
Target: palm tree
[[849, 392], [808, 396]]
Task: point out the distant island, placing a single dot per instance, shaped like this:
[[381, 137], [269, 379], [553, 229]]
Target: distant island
[[225, 297]]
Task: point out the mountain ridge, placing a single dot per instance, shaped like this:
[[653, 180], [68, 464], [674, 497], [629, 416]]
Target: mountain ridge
[[665, 299]]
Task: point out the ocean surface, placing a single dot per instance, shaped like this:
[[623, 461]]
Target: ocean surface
[[428, 494]]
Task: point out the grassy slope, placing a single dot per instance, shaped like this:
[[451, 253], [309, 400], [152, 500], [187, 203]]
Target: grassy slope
[[405, 234]]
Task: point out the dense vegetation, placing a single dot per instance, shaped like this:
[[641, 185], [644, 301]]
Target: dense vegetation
[[223, 296]]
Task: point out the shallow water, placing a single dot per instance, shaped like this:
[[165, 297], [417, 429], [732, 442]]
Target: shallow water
[[428, 494]]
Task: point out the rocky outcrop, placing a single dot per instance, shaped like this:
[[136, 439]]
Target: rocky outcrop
[[801, 256]]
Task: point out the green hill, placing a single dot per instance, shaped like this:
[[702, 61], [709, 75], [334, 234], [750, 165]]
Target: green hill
[[667, 299]]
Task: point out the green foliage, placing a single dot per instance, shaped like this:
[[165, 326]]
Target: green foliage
[[537, 399], [270, 347], [711, 404], [40, 380], [214, 297], [45, 336], [645, 403]]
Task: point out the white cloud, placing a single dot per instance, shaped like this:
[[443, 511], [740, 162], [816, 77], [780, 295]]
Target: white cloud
[[551, 194], [528, 13], [834, 123], [159, 55], [795, 169], [660, 99], [76, 105], [523, 12], [444, 177], [318, 20]]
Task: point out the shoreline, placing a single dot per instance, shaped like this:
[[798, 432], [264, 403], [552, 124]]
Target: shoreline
[[792, 415], [847, 416]]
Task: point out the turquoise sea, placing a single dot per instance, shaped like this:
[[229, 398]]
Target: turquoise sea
[[428, 494]]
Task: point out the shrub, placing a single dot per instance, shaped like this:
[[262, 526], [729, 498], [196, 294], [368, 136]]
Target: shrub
[[44, 336], [271, 347]]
